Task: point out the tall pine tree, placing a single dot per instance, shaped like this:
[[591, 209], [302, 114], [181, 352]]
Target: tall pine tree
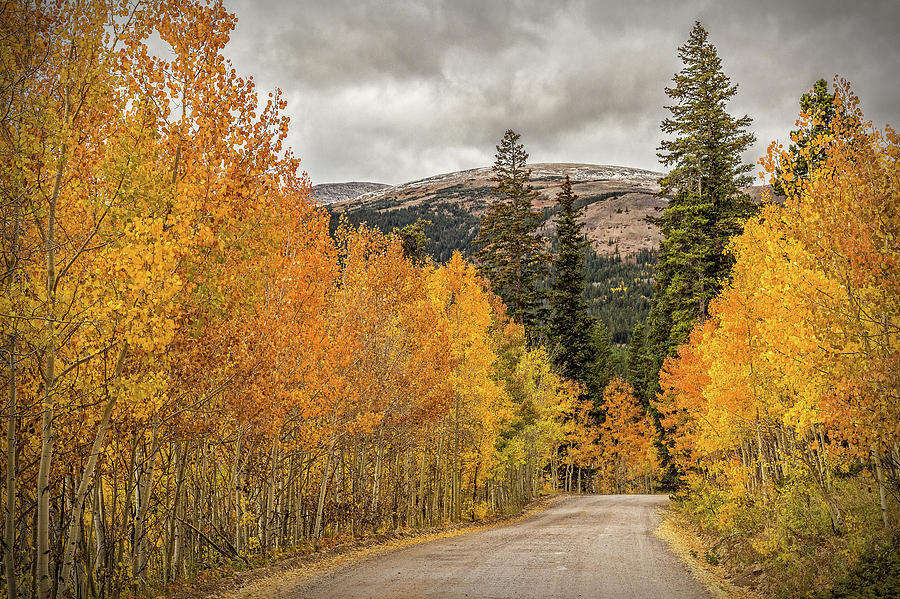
[[580, 343], [601, 364], [707, 207], [512, 254], [818, 106], [637, 365], [569, 319]]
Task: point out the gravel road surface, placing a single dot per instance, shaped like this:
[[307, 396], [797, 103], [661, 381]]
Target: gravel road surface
[[585, 546]]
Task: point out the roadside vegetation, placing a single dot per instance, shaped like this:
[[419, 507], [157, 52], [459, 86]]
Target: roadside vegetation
[[781, 411], [197, 369]]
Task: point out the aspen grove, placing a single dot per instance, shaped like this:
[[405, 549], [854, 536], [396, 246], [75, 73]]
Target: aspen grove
[[201, 370], [783, 408], [197, 371]]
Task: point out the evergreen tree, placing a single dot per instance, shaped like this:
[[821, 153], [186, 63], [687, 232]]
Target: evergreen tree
[[638, 365], [818, 105], [817, 110], [414, 241], [581, 343], [569, 321], [707, 207], [511, 252], [601, 364]]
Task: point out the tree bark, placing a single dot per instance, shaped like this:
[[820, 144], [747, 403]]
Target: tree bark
[[178, 512], [44, 581], [9, 527], [879, 478], [143, 485], [99, 516], [455, 482], [66, 583], [376, 481], [323, 488]]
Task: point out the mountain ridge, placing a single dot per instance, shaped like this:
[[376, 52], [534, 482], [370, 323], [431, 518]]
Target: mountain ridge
[[330, 193], [616, 200]]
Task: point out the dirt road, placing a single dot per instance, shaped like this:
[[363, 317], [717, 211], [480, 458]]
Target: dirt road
[[587, 546]]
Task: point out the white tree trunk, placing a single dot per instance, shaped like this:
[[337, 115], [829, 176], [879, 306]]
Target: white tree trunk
[[66, 584]]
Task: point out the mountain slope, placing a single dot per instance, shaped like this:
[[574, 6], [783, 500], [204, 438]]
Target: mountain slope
[[619, 266], [329, 193], [616, 200]]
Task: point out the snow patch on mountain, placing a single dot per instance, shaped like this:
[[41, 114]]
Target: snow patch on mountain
[[330, 193]]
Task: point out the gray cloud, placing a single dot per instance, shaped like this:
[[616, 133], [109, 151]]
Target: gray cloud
[[393, 91]]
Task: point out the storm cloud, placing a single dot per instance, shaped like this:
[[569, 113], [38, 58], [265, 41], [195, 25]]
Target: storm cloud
[[394, 91]]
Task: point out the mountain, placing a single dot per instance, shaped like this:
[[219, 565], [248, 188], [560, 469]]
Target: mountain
[[619, 265], [616, 200], [329, 193]]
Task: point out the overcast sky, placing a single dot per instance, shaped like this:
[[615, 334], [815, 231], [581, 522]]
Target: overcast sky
[[395, 91]]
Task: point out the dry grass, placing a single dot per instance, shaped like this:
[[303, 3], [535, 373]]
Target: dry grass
[[680, 537], [280, 578]]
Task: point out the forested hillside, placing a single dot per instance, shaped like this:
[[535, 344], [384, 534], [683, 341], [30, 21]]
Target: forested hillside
[[197, 369], [619, 290], [616, 200]]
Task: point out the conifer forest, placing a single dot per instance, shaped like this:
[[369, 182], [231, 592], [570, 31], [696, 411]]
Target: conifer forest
[[206, 370]]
